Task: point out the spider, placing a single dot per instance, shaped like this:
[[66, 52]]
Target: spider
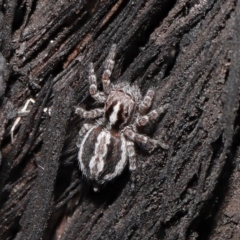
[[107, 143]]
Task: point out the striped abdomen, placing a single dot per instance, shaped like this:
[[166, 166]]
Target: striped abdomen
[[102, 154]]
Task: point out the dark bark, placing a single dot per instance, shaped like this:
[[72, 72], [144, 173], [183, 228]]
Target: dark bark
[[188, 51]]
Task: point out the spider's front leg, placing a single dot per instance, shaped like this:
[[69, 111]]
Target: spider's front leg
[[108, 70], [92, 114], [94, 92], [147, 142]]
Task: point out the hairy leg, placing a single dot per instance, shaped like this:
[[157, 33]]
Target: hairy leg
[[94, 92], [146, 103], [131, 155], [152, 116], [149, 143], [108, 69], [92, 114]]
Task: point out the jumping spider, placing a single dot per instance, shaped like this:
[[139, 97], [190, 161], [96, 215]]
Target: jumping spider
[[108, 143]]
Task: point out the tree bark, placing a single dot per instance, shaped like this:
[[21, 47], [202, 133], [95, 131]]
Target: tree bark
[[188, 51]]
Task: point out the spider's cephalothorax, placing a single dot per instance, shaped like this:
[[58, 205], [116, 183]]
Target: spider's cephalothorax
[[107, 145], [119, 108]]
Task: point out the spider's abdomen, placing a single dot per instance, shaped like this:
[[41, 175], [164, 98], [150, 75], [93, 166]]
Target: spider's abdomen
[[102, 155]]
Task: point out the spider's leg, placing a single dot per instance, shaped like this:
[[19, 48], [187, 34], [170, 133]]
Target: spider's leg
[[146, 103], [95, 93], [147, 142], [132, 162], [92, 114], [21, 113], [131, 155], [152, 116], [108, 69]]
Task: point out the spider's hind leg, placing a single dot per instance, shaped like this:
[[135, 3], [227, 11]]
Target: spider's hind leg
[[149, 144], [131, 155], [132, 162]]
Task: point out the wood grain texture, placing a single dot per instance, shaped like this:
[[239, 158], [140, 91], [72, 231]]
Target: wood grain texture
[[188, 52]]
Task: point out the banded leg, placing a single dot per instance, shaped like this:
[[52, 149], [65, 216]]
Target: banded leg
[[108, 69], [146, 102], [132, 162], [21, 113], [131, 155], [92, 114], [152, 116], [94, 92], [149, 143]]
